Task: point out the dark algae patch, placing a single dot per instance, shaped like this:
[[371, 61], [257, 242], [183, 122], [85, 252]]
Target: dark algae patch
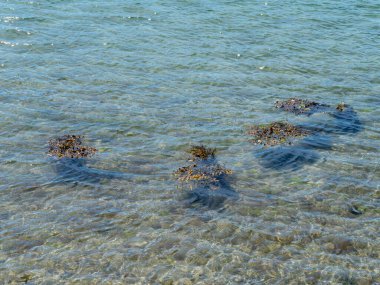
[[299, 106], [276, 133], [70, 146]]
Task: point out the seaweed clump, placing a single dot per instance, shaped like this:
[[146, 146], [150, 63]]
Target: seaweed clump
[[70, 146], [204, 169], [203, 173], [298, 106], [275, 133], [202, 152]]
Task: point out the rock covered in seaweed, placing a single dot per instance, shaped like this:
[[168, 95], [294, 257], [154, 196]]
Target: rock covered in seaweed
[[299, 106], [70, 146], [204, 169], [276, 133], [204, 173]]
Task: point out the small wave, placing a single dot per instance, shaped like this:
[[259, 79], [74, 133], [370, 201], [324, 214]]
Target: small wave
[[16, 32], [8, 43], [10, 19], [12, 44]]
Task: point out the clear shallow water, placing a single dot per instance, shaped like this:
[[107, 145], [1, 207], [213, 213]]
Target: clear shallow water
[[143, 82]]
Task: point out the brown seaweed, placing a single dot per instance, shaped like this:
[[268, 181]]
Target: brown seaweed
[[275, 133], [202, 152], [298, 106], [209, 173], [69, 146]]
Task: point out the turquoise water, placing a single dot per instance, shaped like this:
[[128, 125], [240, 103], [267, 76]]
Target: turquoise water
[[142, 82]]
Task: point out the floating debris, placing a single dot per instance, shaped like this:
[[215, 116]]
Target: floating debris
[[299, 106], [275, 133], [70, 146], [341, 107], [202, 152]]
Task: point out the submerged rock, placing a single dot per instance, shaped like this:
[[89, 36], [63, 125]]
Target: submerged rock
[[276, 133], [300, 106], [70, 146]]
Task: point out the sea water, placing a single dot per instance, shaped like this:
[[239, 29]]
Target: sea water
[[145, 80]]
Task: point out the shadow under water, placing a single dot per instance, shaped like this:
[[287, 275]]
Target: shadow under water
[[287, 157], [76, 170], [211, 196], [316, 141], [294, 157], [346, 121]]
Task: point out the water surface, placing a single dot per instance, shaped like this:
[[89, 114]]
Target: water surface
[[145, 80]]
